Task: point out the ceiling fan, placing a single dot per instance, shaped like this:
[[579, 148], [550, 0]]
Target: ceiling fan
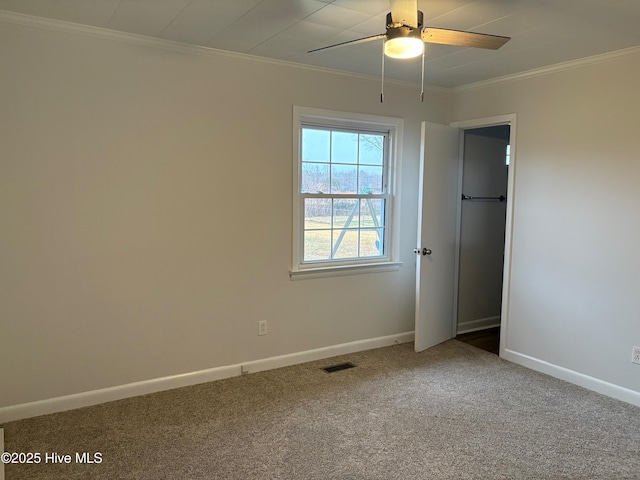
[[405, 36]]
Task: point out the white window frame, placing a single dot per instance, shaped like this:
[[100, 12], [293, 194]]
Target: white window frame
[[392, 126]]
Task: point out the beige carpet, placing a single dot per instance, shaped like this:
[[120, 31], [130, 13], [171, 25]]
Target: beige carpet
[[452, 412]]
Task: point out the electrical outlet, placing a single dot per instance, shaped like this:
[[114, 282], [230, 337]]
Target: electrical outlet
[[635, 356], [262, 327]]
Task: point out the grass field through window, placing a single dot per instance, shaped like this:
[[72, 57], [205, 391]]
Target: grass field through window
[[362, 239]]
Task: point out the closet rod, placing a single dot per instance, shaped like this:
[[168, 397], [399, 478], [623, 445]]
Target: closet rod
[[502, 198]]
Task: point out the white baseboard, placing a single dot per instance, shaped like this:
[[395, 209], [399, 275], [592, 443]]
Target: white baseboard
[[94, 397], [571, 376], [476, 325]]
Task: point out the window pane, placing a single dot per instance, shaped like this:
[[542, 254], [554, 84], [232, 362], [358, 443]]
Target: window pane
[[344, 147], [372, 212], [372, 242], [315, 178], [372, 149], [345, 243], [317, 213], [317, 245], [345, 213], [315, 145], [370, 180], [344, 178]]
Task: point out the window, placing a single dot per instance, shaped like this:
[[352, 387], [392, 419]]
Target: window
[[343, 191]]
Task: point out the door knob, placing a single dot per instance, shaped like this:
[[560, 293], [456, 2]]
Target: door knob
[[424, 251]]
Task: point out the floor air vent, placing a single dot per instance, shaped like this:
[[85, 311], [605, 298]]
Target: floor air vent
[[337, 368]]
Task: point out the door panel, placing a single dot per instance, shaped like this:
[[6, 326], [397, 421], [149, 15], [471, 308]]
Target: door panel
[[438, 195]]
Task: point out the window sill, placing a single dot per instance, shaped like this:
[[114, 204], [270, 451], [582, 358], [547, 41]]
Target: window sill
[[341, 270]]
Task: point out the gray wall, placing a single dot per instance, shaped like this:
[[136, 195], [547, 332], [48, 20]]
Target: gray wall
[[146, 206], [574, 301]]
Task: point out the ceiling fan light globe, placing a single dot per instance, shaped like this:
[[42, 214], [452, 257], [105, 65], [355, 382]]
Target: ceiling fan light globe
[[404, 47]]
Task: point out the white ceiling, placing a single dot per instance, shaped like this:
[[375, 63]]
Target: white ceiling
[[544, 32]]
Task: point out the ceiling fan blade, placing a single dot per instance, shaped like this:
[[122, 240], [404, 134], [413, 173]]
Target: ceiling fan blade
[[405, 12], [350, 42], [464, 39]]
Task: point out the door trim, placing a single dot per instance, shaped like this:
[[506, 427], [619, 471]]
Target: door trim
[[508, 119]]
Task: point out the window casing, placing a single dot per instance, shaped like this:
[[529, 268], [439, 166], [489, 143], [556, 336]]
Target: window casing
[[344, 192]]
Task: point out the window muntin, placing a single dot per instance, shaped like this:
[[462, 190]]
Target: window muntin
[[344, 193]]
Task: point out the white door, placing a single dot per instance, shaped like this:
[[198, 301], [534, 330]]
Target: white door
[[438, 200]]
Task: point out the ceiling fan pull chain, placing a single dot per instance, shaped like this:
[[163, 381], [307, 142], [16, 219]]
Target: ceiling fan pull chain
[[422, 86], [382, 83]]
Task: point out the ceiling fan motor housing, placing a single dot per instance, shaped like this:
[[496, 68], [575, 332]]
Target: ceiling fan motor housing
[[403, 32], [392, 24]]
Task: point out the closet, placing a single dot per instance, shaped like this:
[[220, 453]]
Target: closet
[[482, 228]]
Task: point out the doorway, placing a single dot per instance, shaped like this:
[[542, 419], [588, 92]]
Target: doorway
[[481, 235], [439, 221]]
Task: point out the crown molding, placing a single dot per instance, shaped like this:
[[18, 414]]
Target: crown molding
[[558, 67], [164, 44]]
